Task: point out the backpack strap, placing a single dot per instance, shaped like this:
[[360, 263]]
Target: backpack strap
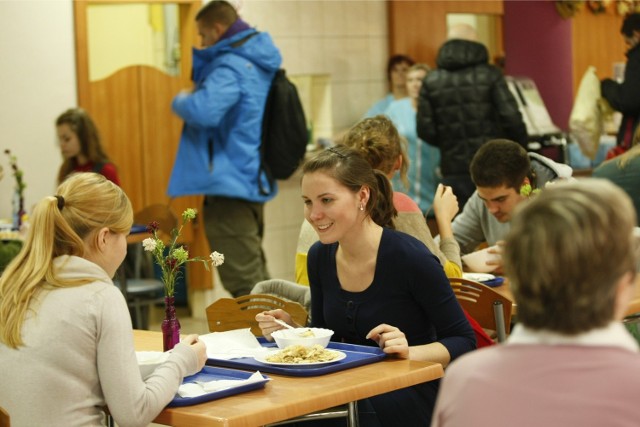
[[243, 40], [264, 168]]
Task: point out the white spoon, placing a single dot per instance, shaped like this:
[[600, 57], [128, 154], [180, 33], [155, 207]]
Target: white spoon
[[292, 331], [285, 324]]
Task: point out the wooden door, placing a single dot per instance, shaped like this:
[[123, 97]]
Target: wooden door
[[418, 28], [132, 110]]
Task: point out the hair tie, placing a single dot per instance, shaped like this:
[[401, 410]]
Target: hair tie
[[60, 201], [336, 152]]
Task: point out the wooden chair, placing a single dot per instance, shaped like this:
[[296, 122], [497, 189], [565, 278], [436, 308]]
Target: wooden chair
[[488, 307], [235, 313], [5, 420], [143, 292]]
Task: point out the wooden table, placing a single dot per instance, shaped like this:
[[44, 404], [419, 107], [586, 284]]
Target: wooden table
[[288, 397], [505, 290]]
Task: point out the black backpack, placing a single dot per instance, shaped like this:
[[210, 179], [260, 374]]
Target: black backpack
[[284, 131]]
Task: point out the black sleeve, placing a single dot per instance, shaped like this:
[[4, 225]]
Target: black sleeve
[[625, 96], [425, 118]]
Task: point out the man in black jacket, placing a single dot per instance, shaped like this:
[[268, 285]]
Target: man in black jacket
[[625, 96], [464, 103]]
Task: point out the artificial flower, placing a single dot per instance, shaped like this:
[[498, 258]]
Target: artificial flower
[[217, 258], [172, 256]]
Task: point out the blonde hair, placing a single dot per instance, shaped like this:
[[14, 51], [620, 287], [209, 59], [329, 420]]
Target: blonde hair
[[378, 140], [565, 252], [60, 225]]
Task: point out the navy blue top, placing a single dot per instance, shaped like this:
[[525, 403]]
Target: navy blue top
[[409, 291]]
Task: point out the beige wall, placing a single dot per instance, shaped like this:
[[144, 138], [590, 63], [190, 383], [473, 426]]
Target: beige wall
[[346, 40], [37, 83]]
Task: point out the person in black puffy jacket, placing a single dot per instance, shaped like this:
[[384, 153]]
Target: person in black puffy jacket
[[464, 103]]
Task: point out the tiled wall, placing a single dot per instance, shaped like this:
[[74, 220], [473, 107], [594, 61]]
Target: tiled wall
[[346, 40]]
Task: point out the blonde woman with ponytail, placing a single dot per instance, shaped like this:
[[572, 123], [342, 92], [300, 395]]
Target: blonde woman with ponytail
[[66, 340]]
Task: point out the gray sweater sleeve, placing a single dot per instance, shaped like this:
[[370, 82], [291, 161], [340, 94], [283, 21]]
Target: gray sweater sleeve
[[414, 224], [451, 250], [467, 227], [132, 401]]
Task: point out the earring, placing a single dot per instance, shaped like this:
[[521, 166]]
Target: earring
[[361, 207]]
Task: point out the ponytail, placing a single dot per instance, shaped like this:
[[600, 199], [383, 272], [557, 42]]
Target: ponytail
[[60, 225], [382, 211]]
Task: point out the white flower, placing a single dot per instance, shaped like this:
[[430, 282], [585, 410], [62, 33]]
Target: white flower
[[217, 258], [149, 244]]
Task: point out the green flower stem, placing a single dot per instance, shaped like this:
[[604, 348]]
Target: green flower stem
[[177, 255]]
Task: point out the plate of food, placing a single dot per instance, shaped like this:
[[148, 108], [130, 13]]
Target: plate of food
[[301, 356]]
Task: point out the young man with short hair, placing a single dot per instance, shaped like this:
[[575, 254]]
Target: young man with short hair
[[499, 170]]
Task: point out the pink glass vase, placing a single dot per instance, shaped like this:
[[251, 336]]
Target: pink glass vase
[[170, 325]]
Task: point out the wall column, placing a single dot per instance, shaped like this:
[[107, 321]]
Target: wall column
[[538, 45]]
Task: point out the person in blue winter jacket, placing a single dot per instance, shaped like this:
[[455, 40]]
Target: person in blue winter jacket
[[219, 151]]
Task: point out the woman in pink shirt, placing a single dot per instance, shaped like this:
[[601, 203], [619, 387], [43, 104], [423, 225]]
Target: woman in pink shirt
[[571, 256]]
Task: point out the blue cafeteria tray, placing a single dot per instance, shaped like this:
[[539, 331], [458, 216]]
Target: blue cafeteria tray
[[138, 228], [498, 281], [209, 373], [357, 355]]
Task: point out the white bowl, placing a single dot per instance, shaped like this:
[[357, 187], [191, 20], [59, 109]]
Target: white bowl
[[477, 261], [148, 361], [298, 336]]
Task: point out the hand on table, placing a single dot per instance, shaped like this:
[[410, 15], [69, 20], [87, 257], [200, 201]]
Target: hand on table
[[390, 339], [267, 324], [199, 347]]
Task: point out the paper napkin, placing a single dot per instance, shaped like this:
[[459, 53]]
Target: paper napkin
[[232, 344], [199, 388]]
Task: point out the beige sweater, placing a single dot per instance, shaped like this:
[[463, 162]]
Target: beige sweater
[[79, 357]]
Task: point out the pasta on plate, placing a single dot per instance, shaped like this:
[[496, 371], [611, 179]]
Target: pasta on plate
[[301, 354]]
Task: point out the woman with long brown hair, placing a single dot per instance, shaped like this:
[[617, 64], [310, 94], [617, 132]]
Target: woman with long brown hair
[[80, 146]]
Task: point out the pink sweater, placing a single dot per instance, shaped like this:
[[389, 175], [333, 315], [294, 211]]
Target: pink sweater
[[549, 385]]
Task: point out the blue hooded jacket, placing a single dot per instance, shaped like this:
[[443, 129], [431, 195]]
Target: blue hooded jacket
[[219, 151]]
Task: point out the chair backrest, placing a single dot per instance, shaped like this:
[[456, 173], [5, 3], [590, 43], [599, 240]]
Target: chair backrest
[[236, 313], [5, 420], [490, 309]]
